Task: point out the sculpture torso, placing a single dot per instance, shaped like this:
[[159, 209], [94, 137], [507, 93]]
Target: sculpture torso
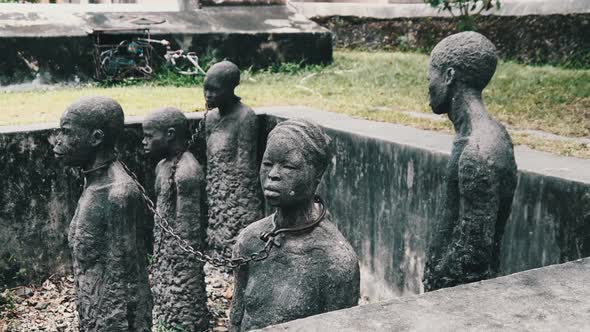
[[480, 184], [173, 268], [308, 274], [233, 187], [109, 257]]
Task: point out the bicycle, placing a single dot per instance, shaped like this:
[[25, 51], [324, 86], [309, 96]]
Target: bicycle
[[176, 58], [135, 58]]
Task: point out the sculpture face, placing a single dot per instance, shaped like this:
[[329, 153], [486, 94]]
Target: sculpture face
[[438, 90], [155, 142], [73, 141], [216, 91], [287, 178]]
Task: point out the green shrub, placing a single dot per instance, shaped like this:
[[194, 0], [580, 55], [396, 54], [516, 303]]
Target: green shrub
[[464, 10]]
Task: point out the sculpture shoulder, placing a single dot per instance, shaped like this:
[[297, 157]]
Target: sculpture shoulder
[[490, 147], [247, 116], [246, 112], [159, 166], [329, 238], [120, 188], [188, 171], [249, 238], [212, 116]]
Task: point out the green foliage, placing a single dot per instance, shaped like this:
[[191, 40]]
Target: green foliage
[[162, 326], [150, 259], [7, 301], [464, 10]]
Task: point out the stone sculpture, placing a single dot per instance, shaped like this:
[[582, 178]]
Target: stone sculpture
[[178, 280], [106, 232], [481, 173], [233, 190], [308, 272]]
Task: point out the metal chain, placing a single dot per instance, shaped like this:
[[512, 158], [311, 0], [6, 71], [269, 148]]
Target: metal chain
[[199, 131], [267, 237], [185, 246]]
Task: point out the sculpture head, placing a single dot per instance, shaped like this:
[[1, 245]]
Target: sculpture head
[[296, 156], [165, 131], [88, 125], [465, 60], [220, 83]]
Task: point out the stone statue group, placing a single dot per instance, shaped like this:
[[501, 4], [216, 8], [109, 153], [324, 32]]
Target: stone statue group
[[293, 263]]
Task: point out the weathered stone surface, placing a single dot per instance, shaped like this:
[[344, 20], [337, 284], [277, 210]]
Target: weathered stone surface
[[388, 175], [106, 232], [392, 177], [233, 190], [308, 272], [545, 299], [178, 279], [57, 43], [481, 174]]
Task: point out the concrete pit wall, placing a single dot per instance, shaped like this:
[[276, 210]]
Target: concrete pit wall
[[39, 198], [385, 186], [382, 192], [385, 198]]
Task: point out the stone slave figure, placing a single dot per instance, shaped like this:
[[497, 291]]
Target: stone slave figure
[[233, 190], [178, 280], [105, 235], [481, 173], [308, 272]]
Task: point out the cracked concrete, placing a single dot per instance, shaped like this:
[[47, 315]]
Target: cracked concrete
[[234, 19]]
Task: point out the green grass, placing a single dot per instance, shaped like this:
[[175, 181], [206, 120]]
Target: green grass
[[374, 86]]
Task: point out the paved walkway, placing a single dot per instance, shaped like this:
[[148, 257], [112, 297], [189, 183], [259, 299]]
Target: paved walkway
[[553, 298]]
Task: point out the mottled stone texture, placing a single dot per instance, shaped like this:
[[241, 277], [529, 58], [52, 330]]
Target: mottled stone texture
[[309, 272], [178, 280], [232, 175], [379, 175], [39, 201], [308, 275], [233, 190], [57, 59], [481, 173], [109, 260], [106, 232]]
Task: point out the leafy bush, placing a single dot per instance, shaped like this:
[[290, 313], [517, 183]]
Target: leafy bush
[[464, 10]]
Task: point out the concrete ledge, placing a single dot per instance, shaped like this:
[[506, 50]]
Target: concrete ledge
[[386, 11], [234, 19], [554, 298], [165, 6], [528, 160]]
